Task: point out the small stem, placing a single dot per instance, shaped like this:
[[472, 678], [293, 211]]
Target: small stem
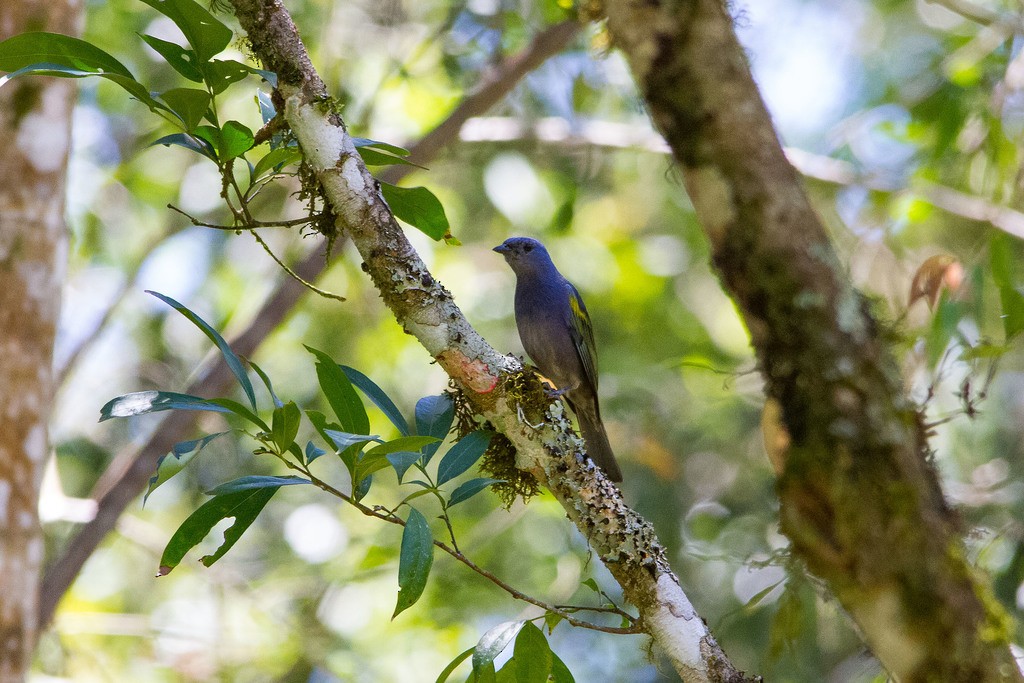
[[635, 627]]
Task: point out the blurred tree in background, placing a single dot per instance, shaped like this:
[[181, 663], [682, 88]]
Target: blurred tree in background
[[905, 119]]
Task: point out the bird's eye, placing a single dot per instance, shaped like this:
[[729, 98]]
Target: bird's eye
[[528, 248]]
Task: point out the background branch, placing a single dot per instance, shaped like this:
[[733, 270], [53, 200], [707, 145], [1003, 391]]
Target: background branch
[[860, 501]]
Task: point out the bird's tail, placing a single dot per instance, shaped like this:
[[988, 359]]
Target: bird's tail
[[598, 448]]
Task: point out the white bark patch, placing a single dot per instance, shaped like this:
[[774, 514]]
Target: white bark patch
[[43, 134], [5, 499], [35, 443], [677, 628]]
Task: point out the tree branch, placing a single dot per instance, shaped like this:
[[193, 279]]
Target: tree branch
[[860, 499], [127, 476], [623, 540]]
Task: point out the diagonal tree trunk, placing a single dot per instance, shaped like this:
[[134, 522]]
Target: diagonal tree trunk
[[35, 120], [860, 501]]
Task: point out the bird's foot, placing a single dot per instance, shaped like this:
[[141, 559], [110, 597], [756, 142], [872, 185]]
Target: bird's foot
[[551, 392]]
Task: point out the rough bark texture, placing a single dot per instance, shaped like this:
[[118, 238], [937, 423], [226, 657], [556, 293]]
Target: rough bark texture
[[621, 538], [860, 500], [35, 117]]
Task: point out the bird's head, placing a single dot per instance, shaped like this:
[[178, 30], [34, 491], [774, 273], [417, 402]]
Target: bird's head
[[524, 253]]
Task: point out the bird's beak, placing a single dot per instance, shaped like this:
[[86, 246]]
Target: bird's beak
[[501, 249]]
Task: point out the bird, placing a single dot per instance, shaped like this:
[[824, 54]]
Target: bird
[[556, 332]]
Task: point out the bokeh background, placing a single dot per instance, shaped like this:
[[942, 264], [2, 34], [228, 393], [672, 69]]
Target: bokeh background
[[906, 118]]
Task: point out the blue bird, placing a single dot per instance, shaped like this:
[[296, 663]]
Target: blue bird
[[555, 329]]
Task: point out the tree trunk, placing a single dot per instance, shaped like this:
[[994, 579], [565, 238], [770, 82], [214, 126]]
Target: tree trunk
[[35, 117]]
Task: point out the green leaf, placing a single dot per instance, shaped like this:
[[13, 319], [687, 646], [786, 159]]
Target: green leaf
[[202, 30], [339, 392], [171, 463], [418, 207], [33, 48], [551, 620], [404, 443], [189, 104], [235, 140], [256, 482], [494, 641], [219, 74], [944, 327], [230, 358], [559, 671], [470, 488], [142, 402], [463, 455], [375, 157], [434, 416], [275, 160], [266, 382], [285, 425], [453, 665], [244, 506], [181, 59], [757, 597], [414, 561], [592, 585], [378, 398], [402, 462], [1012, 303], [532, 655], [189, 142]]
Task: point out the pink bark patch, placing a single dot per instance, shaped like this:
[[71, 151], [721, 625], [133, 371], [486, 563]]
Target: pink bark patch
[[472, 373]]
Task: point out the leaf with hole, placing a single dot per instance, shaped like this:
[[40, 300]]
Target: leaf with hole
[[203, 31], [244, 506], [182, 59]]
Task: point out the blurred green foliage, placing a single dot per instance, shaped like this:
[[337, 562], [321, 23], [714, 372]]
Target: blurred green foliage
[[921, 109]]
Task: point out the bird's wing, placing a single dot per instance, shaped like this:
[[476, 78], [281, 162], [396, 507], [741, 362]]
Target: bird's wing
[[582, 333]]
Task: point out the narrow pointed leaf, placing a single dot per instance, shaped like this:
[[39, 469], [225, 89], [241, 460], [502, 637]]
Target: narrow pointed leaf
[[344, 440], [434, 416], [244, 506], [378, 397], [463, 455], [173, 462], [266, 382], [339, 393], [404, 443], [195, 144], [470, 488], [256, 482], [414, 561], [234, 363]]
